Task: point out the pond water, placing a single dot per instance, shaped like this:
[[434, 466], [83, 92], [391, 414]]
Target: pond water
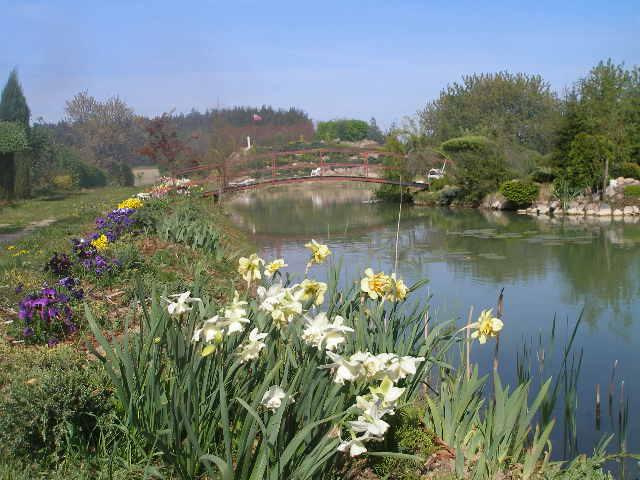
[[547, 267]]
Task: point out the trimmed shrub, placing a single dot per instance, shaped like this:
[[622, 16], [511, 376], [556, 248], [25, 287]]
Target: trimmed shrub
[[626, 170], [543, 175], [50, 398], [479, 165], [632, 191], [519, 193]]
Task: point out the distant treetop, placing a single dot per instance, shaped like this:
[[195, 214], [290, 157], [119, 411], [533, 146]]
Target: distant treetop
[[13, 104]]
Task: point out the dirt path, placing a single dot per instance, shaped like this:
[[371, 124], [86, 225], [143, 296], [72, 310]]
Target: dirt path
[[17, 235]]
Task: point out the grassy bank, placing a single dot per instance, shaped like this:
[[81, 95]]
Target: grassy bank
[[171, 375]]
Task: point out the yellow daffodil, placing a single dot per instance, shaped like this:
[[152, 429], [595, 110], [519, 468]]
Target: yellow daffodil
[[397, 291], [100, 243], [486, 326], [11, 247], [249, 268], [313, 290], [131, 203], [271, 268], [319, 252], [376, 285]]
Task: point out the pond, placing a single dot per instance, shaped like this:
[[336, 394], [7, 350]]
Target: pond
[[549, 268]]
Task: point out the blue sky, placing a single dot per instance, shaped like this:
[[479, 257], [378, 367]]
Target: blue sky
[[332, 58]]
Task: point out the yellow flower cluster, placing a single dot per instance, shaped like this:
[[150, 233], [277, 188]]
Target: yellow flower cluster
[[379, 286], [486, 327], [101, 243], [131, 203]]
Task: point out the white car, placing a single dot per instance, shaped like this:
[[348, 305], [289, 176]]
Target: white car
[[435, 174], [316, 172]]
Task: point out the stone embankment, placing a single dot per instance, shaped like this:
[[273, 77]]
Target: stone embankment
[[613, 204]]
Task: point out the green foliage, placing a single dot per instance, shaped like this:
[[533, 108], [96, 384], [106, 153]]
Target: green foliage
[[626, 170], [519, 193], [203, 412], [62, 182], [23, 174], [346, 130], [516, 109], [564, 191], [587, 159], [68, 163], [604, 103], [543, 175], [409, 436], [13, 137], [494, 439], [50, 399], [13, 104], [632, 191], [121, 174], [479, 165], [187, 225], [374, 133]]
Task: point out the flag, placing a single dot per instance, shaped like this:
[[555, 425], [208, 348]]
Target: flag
[[256, 117]]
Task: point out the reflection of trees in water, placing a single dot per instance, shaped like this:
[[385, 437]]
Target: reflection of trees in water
[[596, 263]]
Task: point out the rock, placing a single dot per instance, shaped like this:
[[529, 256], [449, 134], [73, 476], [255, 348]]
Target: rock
[[554, 205], [522, 211], [627, 211], [590, 211], [575, 211], [543, 210], [617, 212], [636, 210], [604, 212]]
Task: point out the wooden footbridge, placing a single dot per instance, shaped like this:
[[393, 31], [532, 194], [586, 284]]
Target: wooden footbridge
[[269, 170]]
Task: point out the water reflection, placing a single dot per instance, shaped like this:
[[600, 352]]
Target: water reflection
[[549, 267]]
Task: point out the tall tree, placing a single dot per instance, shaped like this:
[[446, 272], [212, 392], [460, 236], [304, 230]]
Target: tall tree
[[508, 108], [14, 167], [13, 104]]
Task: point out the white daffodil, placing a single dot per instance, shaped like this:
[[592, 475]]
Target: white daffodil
[[251, 349], [212, 330], [397, 291], [346, 370], [375, 285], [273, 398], [235, 315], [387, 393], [401, 367], [249, 268], [181, 305], [283, 304], [271, 268], [487, 326], [313, 290], [355, 446], [319, 332], [371, 422]]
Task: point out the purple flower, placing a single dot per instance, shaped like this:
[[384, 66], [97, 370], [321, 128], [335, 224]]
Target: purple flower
[[27, 332], [19, 288], [52, 342], [59, 264]]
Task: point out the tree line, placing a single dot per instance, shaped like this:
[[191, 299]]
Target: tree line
[[502, 126]]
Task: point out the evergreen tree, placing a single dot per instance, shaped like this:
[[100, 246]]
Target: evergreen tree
[[13, 104], [14, 176]]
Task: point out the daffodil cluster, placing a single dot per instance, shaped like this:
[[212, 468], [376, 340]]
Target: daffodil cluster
[[379, 286], [389, 368], [297, 305], [319, 253]]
